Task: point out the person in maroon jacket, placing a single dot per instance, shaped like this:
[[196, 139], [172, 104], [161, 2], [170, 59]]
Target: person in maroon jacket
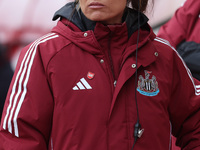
[[101, 80], [183, 33]]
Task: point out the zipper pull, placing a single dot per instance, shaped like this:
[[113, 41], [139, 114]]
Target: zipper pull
[[115, 83]]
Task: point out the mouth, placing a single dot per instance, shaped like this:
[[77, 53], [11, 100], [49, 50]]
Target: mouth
[[96, 5]]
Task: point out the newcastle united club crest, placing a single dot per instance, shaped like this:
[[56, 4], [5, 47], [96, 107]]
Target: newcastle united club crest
[[147, 86]]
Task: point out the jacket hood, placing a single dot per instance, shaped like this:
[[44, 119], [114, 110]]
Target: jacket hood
[[76, 16]]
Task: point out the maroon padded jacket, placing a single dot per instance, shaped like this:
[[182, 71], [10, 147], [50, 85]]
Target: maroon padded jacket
[[67, 95]]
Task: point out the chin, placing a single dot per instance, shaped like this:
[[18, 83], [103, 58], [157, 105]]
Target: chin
[[96, 17]]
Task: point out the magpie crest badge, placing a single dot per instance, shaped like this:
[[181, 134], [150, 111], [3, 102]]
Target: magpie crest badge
[[148, 86]]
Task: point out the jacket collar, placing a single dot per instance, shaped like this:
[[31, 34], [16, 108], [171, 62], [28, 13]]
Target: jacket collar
[[76, 29]]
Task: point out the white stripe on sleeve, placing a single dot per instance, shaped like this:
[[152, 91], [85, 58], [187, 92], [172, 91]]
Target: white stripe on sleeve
[[188, 71], [22, 79]]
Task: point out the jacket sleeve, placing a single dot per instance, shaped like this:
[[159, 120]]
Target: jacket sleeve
[[27, 115], [181, 24], [184, 106]]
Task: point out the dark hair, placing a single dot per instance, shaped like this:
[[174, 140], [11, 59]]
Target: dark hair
[[134, 4]]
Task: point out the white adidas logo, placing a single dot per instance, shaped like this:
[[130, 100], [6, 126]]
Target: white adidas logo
[[82, 85]]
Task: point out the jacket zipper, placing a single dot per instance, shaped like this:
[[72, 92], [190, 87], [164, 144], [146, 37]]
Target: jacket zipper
[[110, 59]]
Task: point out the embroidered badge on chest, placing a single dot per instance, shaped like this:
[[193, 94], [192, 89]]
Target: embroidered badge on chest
[[148, 86]]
